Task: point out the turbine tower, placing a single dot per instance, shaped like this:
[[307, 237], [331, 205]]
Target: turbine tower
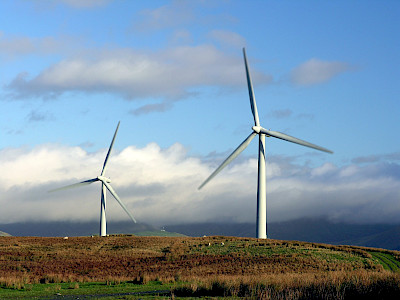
[[105, 185], [262, 133]]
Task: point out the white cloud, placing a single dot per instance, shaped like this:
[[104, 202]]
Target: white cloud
[[315, 71], [85, 3], [327, 168], [177, 13], [181, 37], [169, 74], [14, 46], [79, 4], [228, 38], [160, 185]]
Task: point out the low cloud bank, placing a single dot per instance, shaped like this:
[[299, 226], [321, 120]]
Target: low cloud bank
[[159, 186]]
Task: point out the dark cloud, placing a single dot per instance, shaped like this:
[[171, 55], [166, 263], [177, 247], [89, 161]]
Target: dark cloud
[[36, 116], [377, 158], [305, 116], [281, 113], [149, 108], [288, 113]]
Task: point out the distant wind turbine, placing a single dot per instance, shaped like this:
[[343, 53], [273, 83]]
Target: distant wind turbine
[[105, 185], [262, 133]]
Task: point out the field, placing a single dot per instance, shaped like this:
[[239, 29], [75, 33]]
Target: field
[[183, 266]]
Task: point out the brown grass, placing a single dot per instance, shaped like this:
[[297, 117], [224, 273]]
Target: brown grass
[[330, 285], [233, 266]]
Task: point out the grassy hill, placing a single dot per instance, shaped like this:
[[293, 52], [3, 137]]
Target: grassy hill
[[199, 266], [318, 230]]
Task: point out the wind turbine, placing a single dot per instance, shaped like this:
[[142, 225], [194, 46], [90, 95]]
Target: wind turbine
[[262, 133], [105, 185]]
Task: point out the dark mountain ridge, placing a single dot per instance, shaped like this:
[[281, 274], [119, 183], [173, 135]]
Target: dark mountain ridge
[[308, 230], [66, 228]]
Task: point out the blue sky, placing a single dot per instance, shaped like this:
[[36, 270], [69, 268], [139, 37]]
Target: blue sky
[[172, 72]]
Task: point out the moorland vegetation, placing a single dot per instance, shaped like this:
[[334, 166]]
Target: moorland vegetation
[[214, 266]]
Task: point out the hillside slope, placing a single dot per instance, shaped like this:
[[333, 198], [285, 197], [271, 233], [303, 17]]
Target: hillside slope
[[127, 256], [385, 236], [209, 266]]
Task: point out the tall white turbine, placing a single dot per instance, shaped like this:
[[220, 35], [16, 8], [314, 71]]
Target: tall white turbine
[[105, 185], [262, 133]]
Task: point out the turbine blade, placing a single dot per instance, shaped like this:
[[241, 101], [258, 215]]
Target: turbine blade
[[231, 157], [251, 92], [292, 139], [109, 151], [71, 186], [111, 190]]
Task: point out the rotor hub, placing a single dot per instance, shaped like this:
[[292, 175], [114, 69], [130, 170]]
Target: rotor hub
[[257, 129], [104, 179]]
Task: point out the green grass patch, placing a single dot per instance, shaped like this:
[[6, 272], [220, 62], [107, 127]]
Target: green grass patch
[[387, 260], [250, 248], [29, 291]]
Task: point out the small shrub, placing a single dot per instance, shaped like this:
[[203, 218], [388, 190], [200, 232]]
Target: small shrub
[[53, 288], [177, 277], [142, 278], [73, 286], [13, 283]]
